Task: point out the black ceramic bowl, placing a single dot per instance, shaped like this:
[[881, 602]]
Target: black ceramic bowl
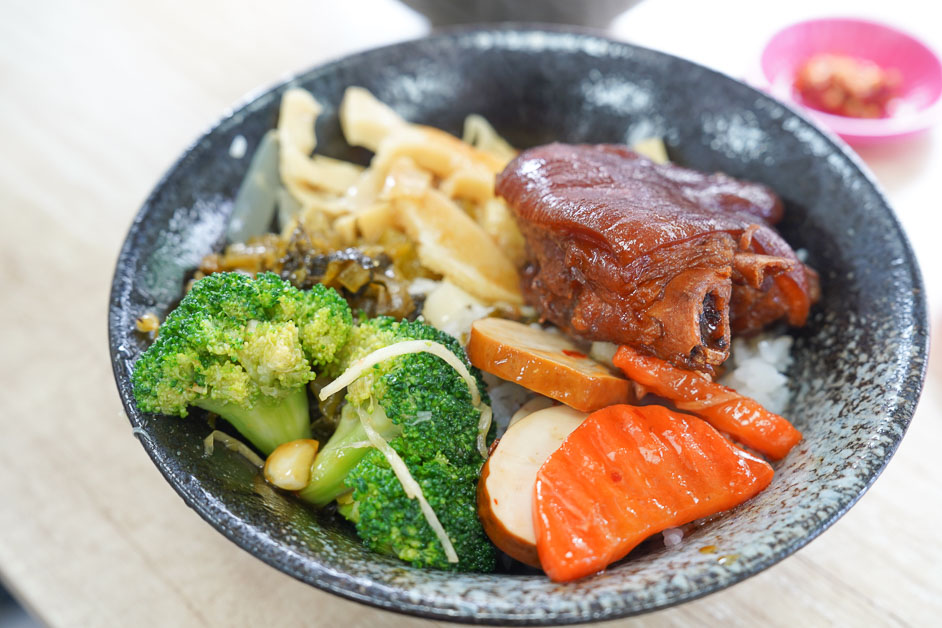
[[858, 368]]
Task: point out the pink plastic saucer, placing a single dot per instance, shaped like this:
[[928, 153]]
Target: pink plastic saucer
[[920, 93]]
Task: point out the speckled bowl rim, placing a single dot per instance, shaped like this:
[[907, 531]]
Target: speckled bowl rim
[[338, 582]]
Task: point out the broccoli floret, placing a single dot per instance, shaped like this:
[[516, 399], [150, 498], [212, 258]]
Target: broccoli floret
[[245, 349], [423, 408], [391, 523]]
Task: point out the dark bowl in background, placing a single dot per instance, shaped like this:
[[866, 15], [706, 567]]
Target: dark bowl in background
[[588, 13], [859, 363]]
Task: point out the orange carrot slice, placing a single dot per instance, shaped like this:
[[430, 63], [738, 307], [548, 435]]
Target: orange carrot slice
[[629, 472], [741, 417]]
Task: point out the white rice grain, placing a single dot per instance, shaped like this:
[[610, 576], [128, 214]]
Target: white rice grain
[[238, 147], [672, 536], [757, 366]]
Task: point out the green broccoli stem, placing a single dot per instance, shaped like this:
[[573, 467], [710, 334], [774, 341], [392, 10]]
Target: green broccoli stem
[[349, 510], [270, 422], [345, 448]]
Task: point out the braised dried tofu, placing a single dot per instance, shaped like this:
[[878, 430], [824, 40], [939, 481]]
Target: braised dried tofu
[[544, 362], [504, 504]]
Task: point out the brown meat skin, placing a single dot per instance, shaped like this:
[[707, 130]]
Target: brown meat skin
[[659, 257]]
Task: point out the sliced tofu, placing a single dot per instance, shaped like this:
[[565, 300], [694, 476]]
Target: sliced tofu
[[505, 490], [545, 363]]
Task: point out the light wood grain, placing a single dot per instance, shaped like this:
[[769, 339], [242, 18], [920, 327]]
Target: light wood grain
[[96, 103]]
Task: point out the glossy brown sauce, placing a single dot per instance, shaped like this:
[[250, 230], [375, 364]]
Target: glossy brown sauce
[[663, 258]]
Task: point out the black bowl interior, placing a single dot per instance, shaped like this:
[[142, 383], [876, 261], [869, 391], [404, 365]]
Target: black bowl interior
[[859, 363]]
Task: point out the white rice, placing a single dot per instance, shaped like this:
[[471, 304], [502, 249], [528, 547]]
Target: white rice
[[672, 536], [756, 368], [238, 147], [506, 399]]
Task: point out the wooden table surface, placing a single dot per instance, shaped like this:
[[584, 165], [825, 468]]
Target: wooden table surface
[[97, 100]]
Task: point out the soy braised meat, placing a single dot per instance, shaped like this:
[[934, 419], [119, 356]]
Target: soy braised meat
[[666, 259]]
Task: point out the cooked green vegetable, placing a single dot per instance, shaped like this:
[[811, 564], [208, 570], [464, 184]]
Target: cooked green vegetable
[[422, 408], [245, 349], [391, 523]]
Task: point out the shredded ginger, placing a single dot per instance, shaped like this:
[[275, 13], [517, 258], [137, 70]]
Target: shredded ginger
[[409, 485], [417, 346], [232, 444]]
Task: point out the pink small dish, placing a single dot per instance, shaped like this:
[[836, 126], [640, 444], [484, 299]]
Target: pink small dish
[[919, 94]]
